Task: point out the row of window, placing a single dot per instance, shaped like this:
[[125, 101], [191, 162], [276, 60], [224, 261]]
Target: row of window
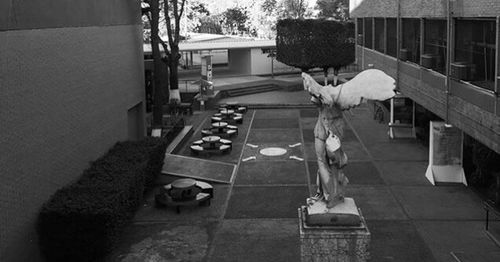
[[473, 56]]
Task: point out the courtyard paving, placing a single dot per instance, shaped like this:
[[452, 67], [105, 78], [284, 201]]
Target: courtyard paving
[[254, 218]]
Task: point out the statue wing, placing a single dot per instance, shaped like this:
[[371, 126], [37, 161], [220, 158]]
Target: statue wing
[[371, 84]]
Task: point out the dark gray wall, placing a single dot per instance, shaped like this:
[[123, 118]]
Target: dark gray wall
[[69, 73]]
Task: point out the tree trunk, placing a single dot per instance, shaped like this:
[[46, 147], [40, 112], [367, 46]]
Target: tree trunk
[[158, 83], [174, 77]]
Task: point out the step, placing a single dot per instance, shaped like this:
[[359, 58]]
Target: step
[[184, 135], [252, 90]]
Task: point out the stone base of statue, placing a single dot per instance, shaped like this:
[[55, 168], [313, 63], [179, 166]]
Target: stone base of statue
[[338, 234], [342, 214]]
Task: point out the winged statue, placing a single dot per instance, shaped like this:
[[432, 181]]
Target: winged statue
[[371, 84]]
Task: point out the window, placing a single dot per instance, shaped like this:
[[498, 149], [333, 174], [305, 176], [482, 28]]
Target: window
[[392, 37], [368, 32], [410, 50], [434, 56], [475, 52], [379, 35], [359, 25]]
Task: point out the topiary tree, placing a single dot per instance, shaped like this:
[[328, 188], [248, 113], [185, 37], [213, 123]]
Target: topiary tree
[[309, 43]]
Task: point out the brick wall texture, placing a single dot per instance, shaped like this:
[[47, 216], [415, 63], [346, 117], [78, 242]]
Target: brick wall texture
[[424, 8], [65, 92]]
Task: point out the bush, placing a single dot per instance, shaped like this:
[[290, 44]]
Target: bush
[[81, 222], [310, 43]]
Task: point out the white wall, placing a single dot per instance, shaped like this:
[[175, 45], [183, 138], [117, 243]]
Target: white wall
[[239, 61]]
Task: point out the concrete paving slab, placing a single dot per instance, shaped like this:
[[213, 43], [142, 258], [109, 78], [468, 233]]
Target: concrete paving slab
[[275, 123], [257, 240], [308, 122], [353, 149], [149, 212], [369, 131], [180, 241], [308, 135], [439, 202], [349, 136], [271, 172], [266, 201], [358, 173], [443, 237], [276, 113], [477, 256], [404, 172], [251, 151], [196, 168], [400, 151], [397, 240], [313, 113], [309, 152], [259, 136], [376, 202]]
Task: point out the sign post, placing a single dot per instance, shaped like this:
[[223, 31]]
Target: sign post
[[207, 87], [206, 84]]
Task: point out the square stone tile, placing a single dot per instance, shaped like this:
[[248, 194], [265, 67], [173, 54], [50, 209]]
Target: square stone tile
[[308, 122], [466, 237], [312, 113], [376, 202], [172, 241], [251, 151], [308, 135], [257, 240], [397, 240], [404, 172], [149, 212], [259, 136], [439, 202], [309, 152], [266, 201], [399, 151], [355, 151], [371, 133], [275, 123], [276, 113], [271, 172], [349, 135], [358, 173]]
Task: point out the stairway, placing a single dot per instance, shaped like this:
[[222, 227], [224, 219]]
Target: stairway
[[248, 90]]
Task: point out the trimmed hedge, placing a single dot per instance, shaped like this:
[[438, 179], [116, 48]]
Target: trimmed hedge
[[82, 222], [311, 43]]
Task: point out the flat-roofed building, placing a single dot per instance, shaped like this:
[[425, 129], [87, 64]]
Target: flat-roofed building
[[443, 53]]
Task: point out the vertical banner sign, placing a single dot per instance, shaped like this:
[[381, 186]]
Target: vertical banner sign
[[445, 154], [207, 87]]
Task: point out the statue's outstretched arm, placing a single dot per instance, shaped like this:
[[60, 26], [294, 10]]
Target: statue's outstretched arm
[[372, 84]]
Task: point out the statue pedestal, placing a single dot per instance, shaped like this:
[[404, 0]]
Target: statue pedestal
[[333, 243], [343, 214]]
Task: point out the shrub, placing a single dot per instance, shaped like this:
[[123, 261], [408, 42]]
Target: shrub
[[310, 43], [81, 222]]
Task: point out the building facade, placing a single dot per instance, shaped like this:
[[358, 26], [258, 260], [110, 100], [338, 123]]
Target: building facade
[[71, 85], [443, 54]]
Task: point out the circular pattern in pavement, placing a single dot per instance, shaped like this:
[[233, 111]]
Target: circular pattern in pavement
[[273, 151]]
